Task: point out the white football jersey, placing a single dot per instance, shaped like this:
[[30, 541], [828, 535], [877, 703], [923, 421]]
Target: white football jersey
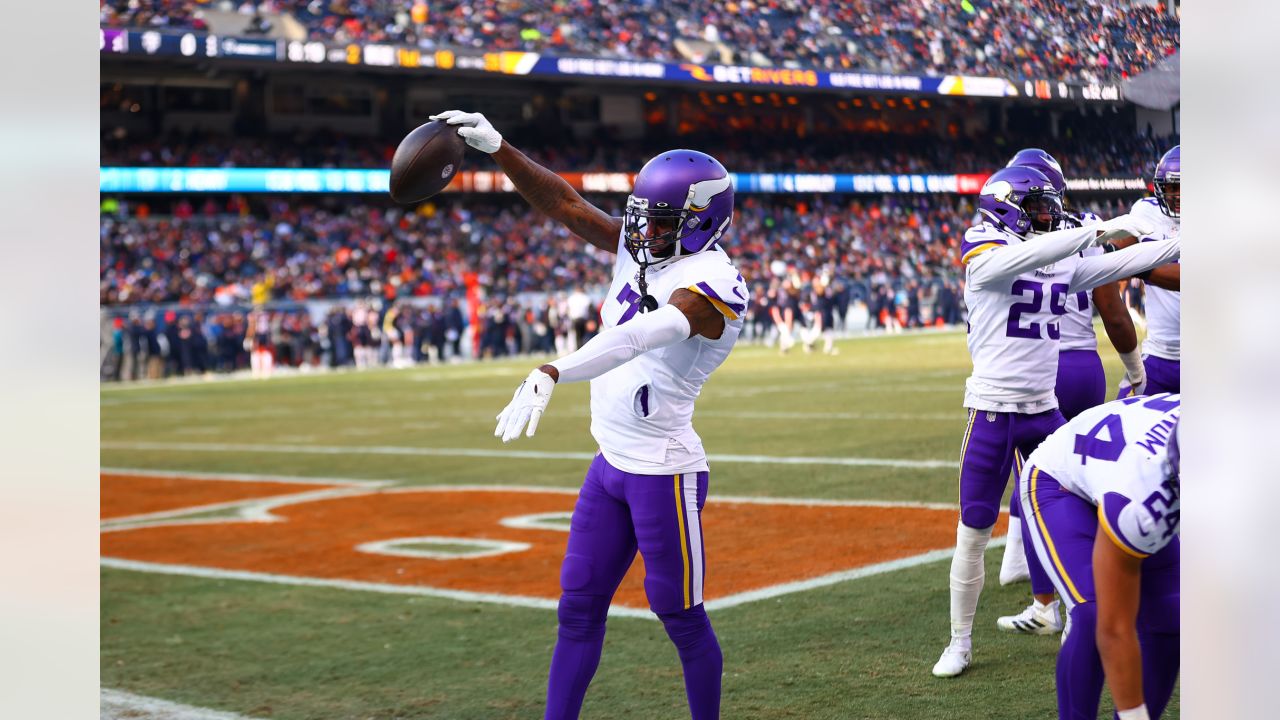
[[1014, 330], [1164, 307], [1115, 456], [642, 411], [1077, 324]]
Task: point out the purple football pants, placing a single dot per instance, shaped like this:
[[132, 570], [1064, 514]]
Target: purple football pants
[[1162, 375], [993, 444], [1082, 383], [1064, 527], [616, 514]]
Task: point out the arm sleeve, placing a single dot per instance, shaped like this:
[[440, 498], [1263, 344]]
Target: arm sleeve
[[1102, 269], [1008, 262], [647, 331]]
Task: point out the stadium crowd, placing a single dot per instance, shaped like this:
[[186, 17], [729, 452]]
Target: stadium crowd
[[179, 281], [1078, 40], [1106, 153]]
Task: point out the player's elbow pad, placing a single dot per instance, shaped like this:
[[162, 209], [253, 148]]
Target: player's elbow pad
[[613, 347]]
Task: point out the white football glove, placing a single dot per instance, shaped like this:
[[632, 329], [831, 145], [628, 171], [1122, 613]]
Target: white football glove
[[1121, 227], [1130, 386], [526, 406], [476, 129]]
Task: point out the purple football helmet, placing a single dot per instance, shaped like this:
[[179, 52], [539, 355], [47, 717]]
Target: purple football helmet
[[1021, 199], [1045, 163], [1168, 182], [681, 205]]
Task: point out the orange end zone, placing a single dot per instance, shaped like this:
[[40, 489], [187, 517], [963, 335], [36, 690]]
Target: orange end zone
[[749, 546]]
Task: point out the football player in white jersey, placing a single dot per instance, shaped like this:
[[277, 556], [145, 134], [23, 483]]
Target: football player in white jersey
[[1019, 274], [1161, 350], [1101, 495], [672, 315], [1081, 384]]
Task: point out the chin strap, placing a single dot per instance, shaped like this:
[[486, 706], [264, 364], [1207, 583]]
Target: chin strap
[[648, 303]]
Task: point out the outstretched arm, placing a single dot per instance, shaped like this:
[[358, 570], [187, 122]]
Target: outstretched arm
[[543, 189], [1002, 264], [1102, 269], [1168, 277], [686, 314]]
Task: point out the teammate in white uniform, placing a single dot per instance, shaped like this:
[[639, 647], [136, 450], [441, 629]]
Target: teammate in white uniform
[[1102, 497], [1019, 276], [672, 315], [1081, 384], [1161, 351]]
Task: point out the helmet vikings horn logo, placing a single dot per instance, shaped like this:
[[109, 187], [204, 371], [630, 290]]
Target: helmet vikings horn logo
[[1001, 190], [701, 193]]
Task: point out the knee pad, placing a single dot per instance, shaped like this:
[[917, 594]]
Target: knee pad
[[582, 617], [575, 573], [979, 517], [690, 631]]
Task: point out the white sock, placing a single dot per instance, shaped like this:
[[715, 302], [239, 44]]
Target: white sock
[[967, 575], [1013, 543]]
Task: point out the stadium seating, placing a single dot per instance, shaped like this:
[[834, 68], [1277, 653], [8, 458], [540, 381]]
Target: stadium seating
[[1083, 41]]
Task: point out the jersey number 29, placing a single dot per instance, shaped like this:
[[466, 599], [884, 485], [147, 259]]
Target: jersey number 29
[[1057, 306]]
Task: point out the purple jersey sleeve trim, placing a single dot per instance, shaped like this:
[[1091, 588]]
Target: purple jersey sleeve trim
[[1109, 520]]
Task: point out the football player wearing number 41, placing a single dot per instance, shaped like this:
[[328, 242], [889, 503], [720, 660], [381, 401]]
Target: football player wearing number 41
[[672, 315], [1019, 273]]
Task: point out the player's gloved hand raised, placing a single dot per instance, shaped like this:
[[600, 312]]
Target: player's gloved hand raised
[[1118, 228], [526, 406], [476, 129]]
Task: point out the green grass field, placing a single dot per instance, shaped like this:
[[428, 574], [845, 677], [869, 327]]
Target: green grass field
[[857, 649]]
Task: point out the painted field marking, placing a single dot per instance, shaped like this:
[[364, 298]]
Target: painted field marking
[[259, 511], [479, 548], [512, 454], [120, 705]]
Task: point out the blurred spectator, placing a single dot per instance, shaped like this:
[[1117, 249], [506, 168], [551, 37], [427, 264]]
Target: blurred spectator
[[1080, 40]]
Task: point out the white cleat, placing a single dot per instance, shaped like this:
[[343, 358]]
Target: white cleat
[[954, 660], [1037, 619]]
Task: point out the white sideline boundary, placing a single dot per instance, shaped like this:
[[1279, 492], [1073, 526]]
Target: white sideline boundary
[[121, 705], [512, 454]]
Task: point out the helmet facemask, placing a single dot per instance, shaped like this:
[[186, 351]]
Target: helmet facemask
[[1168, 191], [652, 234], [1043, 209]]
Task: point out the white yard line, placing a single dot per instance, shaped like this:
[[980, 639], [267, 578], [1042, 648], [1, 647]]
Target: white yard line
[[120, 705], [242, 477], [512, 454], [420, 590], [774, 591]]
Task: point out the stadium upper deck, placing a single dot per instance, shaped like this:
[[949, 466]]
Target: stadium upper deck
[[1081, 41]]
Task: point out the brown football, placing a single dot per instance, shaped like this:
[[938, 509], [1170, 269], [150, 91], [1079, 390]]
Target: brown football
[[426, 162]]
